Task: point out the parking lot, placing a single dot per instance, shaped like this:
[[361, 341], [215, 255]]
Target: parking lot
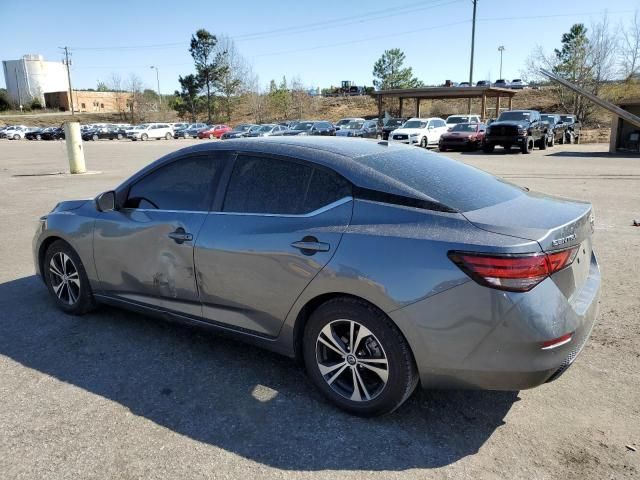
[[118, 395]]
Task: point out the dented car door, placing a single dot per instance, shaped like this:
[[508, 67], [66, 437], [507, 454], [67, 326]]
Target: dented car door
[[146, 247]]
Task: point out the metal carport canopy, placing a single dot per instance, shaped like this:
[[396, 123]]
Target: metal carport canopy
[[438, 93]]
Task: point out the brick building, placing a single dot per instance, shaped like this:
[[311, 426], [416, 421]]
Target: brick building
[[89, 101]]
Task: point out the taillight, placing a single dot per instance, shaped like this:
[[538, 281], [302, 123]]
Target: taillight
[[514, 273]]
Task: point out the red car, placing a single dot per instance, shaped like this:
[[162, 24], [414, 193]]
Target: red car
[[213, 131], [468, 136]]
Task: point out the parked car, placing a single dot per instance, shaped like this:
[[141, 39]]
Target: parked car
[[378, 268], [467, 136], [518, 84], [366, 129], [240, 131], [391, 125], [214, 131], [17, 132], [464, 84], [178, 126], [150, 131], [573, 127], [345, 121], [419, 131], [501, 83], [310, 127], [266, 130], [556, 129], [483, 83], [110, 132], [521, 128], [35, 134], [191, 131], [56, 133], [453, 120]]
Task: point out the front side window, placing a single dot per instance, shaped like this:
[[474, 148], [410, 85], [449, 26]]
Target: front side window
[[270, 186], [181, 185]]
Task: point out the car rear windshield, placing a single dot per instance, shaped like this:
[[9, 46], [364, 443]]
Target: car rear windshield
[[465, 127], [448, 182], [458, 120], [394, 122]]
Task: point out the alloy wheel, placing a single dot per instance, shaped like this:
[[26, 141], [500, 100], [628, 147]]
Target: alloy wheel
[[64, 278], [352, 360]]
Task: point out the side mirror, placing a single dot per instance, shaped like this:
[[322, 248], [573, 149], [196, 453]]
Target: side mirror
[[106, 202], [430, 127]]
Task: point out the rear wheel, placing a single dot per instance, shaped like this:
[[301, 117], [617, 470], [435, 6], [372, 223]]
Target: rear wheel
[[527, 146], [38, 137], [66, 279], [358, 358], [552, 141], [144, 137], [16, 137], [119, 136], [168, 136], [543, 143], [423, 142], [94, 138]]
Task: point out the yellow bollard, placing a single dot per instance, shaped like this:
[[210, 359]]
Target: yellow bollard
[[75, 153]]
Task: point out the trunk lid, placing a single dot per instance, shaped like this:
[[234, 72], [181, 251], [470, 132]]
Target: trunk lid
[[555, 223]]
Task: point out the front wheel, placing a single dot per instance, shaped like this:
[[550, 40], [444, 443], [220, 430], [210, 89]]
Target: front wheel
[[66, 279], [423, 142], [94, 138], [552, 141], [527, 146], [144, 137], [543, 143], [488, 148], [168, 136], [358, 358]]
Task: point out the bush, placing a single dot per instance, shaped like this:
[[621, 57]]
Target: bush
[[35, 104]]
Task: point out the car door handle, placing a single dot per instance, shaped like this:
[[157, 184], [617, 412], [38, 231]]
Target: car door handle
[[309, 246], [180, 236]]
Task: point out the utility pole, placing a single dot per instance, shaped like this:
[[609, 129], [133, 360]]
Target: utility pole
[[473, 44], [158, 81], [501, 49], [66, 62]]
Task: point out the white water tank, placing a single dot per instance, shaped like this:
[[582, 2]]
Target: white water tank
[[31, 77]]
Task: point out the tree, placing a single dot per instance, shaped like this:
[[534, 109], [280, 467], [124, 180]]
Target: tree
[[187, 100], [115, 85], [4, 100], [135, 101], [280, 99], [630, 49], [208, 62], [255, 97], [102, 86], [233, 74], [388, 71]]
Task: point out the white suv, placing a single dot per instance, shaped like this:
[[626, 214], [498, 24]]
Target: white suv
[[150, 130], [453, 120], [17, 132], [419, 131]]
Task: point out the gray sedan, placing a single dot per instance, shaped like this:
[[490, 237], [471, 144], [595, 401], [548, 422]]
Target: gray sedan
[[378, 266]]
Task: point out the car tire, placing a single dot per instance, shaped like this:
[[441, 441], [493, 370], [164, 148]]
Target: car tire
[[424, 142], [16, 137], [527, 147], [168, 136], [380, 374], [562, 139], [67, 280], [443, 149], [119, 136], [488, 148], [543, 143], [38, 137], [94, 138], [552, 142], [144, 137]]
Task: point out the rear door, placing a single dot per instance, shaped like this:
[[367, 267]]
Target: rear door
[[144, 251], [279, 224]]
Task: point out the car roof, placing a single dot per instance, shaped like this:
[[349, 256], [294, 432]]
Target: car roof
[[343, 155]]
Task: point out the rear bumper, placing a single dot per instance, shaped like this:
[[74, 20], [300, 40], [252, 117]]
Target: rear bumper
[[475, 337]]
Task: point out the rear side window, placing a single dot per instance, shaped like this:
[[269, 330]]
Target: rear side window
[[270, 186], [181, 185]]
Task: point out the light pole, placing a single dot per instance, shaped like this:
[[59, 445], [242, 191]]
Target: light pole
[[501, 49], [153, 67]]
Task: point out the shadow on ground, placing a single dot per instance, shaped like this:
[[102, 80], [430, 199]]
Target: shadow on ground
[[233, 396]]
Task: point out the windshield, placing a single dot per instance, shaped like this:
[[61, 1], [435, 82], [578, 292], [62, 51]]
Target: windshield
[[415, 124], [514, 116], [465, 127], [265, 128], [394, 122], [254, 128], [344, 121], [354, 125], [548, 118], [458, 120], [447, 181], [242, 128], [303, 126]]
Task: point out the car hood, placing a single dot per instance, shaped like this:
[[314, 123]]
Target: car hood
[[293, 132], [408, 131], [511, 123], [458, 134], [69, 205]]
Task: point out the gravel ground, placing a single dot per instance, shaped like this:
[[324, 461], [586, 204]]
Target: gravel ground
[[119, 395]]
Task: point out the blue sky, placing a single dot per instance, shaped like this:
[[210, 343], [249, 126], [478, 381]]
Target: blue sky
[[320, 42]]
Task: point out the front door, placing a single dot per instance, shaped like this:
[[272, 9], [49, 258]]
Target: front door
[[146, 248], [281, 222]]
